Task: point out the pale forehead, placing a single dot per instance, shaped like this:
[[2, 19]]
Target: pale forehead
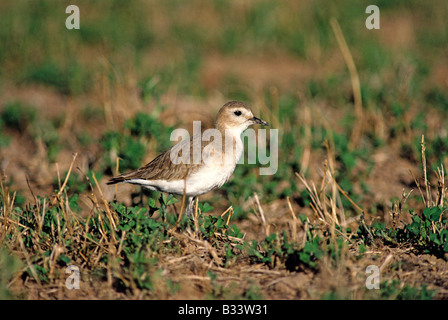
[[236, 105]]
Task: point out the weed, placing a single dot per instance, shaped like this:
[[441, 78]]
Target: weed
[[129, 146], [4, 140], [276, 249], [9, 266], [50, 138], [18, 116], [131, 151], [395, 290], [428, 233]]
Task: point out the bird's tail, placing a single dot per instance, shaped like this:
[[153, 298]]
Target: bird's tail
[[116, 180]]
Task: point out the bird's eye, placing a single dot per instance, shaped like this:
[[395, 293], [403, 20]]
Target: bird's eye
[[237, 113]]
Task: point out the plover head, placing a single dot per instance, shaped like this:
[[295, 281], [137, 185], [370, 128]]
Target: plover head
[[236, 115]]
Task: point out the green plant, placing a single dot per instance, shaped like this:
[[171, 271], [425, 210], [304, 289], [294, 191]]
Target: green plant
[[142, 231], [4, 140], [130, 151], [49, 135], [145, 125], [396, 290], [429, 232], [274, 249], [130, 145], [18, 116], [426, 233], [9, 266]]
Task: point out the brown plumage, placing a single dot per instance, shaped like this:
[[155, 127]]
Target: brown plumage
[[162, 168]]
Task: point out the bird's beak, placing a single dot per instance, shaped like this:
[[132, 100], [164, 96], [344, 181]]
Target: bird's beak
[[256, 120]]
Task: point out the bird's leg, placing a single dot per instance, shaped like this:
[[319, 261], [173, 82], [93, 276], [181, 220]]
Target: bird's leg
[[190, 207]]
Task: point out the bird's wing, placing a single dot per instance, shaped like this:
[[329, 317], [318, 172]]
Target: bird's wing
[[169, 165]]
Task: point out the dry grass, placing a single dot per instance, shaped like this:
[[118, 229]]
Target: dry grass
[[185, 262]]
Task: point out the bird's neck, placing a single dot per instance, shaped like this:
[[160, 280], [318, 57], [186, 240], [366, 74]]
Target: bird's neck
[[232, 144]]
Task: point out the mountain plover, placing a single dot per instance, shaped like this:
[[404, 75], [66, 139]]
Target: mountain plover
[[194, 167]]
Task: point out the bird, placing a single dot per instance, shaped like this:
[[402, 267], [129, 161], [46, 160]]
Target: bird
[[177, 171]]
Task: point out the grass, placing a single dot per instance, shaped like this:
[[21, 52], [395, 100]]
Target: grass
[[354, 186], [128, 246], [123, 244]]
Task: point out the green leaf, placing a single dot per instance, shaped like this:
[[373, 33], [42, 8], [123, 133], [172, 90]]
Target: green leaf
[[205, 207], [304, 257], [433, 238], [170, 200], [152, 203], [433, 213], [302, 217], [64, 259], [445, 246]]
